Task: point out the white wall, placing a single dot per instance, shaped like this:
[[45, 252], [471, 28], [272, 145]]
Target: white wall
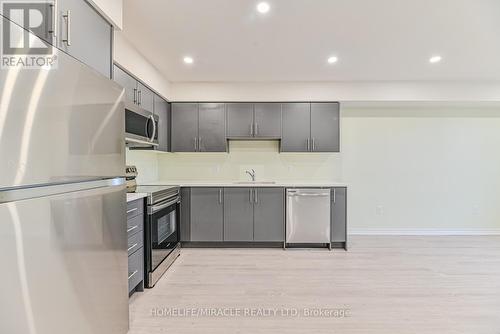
[[132, 60]]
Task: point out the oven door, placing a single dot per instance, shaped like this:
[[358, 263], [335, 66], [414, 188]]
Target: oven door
[[141, 128], [162, 232]]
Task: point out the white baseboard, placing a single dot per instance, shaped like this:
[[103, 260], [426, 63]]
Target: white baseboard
[[423, 231]]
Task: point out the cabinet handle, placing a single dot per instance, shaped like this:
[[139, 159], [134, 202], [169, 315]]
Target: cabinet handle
[[195, 144], [131, 247], [67, 18], [139, 97], [251, 129], [313, 144], [135, 96], [308, 144], [131, 210], [132, 228], [334, 196], [220, 196], [199, 144], [132, 275], [255, 196], [53, 29]]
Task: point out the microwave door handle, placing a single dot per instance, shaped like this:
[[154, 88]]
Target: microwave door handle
[[154, 128]]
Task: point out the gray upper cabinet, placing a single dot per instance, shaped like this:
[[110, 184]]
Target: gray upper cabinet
[[85, 34], [339, 214], [145, 97], [267, 120], [325, 127], [238, 214], [184, 127], [162, 109], [212, 128], [198, 127], [296, 135], [239, 120], [126, 81], [207, 214], [269, 214]]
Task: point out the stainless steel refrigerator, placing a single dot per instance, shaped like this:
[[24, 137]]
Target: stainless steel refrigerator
[[63, 246]]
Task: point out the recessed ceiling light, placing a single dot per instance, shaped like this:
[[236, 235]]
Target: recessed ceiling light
[[263, 7], [188, 60], [332, 60], [435, 59]]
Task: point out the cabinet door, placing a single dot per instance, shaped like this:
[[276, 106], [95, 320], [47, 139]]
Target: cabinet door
[[269, 214], [238, 214], [339, 214], [145, 97], [184, 129], [126, 81], [239, 120], [296, 127], [267, 120], [325, 125], [162, 109], [212, 128], [86, 35], [185, 207], [207, 214]]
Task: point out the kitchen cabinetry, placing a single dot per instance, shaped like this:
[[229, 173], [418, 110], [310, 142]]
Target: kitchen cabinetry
[[254, 120], [198, 127], [254, 214], [135, 228], [145, 97], [162, 109], [135, 91], [339, 217], [310, 127], [207, 214], [85, 34]]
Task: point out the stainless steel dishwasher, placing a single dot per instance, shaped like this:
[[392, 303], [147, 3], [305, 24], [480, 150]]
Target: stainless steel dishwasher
[[308, 217]]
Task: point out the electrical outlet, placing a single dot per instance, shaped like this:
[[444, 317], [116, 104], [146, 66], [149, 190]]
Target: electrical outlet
[[379, 210]]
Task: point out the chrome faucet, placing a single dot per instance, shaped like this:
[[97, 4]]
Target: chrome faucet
[[252, 174]]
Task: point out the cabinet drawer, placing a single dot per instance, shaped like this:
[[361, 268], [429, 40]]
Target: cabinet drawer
[[135, 225], [135, 208], [135, 269], [135, 242]]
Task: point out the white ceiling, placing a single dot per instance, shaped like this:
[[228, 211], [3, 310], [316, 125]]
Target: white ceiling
[[373, 39]]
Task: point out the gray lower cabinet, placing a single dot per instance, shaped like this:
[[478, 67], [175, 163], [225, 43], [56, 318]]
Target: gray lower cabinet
[[162, 109], [207, 214], [238, 214], [135, 232], [85, 34], [269, 214], [184, 127], [296, 136], [325, 126], [339, 215], [267, 120], [239, 120], [212, 127]]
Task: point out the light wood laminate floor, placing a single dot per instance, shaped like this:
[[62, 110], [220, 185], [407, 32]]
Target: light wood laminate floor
[[391, 284]]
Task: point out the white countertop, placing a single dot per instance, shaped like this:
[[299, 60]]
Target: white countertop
[[289, 184], [135, 196]]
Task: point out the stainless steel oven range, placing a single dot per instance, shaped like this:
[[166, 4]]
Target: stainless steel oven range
[[161, 238]]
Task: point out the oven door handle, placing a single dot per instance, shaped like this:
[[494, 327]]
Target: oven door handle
[[156, 208]]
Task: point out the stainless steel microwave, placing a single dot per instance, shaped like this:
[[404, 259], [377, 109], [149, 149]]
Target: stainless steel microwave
[[141, 127]]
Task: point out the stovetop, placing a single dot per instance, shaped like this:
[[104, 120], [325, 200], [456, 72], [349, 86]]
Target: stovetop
[[157, 194]]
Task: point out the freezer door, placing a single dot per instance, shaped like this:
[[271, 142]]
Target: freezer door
[[58, 125], [64, 262], [308, 216]]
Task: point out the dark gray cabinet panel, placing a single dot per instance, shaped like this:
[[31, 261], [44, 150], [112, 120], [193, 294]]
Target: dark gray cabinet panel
[[86, 35], [325, 127], [126, 81], [267, 120], [339, 214], [238, 214], [207, 214], [239, 120], [145, 97], [296, 122], [185, 229], [269, 214], [184, 127], [162, 109], [212, 128]]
